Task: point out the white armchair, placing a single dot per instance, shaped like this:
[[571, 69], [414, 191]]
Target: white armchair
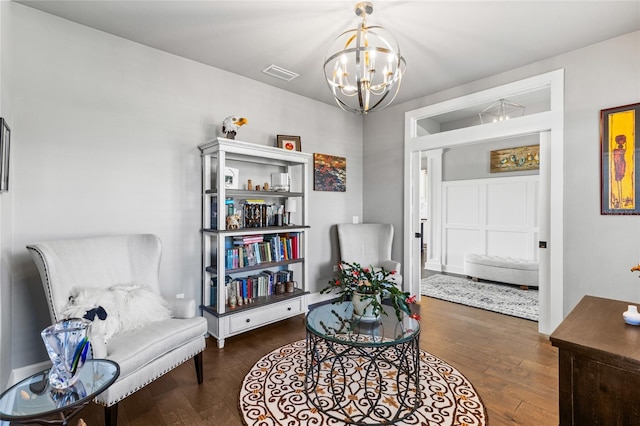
[[145, 353], [369, 244]]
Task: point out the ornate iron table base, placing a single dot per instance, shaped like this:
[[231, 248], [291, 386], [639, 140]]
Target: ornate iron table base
[[363, 379]]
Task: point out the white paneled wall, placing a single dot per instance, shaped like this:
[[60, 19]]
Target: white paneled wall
[[497, 216]]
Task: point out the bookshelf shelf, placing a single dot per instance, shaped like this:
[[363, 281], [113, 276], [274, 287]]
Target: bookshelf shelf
[[264, 265], [251, 259], [255, 194], [259, 302], [262, 230]]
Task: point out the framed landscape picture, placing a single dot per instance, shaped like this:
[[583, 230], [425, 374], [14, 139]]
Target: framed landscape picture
[[619, 160]]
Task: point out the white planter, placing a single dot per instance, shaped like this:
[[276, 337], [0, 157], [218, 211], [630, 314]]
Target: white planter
[[363, 307]]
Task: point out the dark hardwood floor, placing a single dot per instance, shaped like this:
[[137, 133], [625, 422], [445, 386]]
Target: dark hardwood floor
[[514, 369]]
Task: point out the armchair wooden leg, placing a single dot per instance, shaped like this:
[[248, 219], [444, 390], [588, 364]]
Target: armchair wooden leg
[[198, 361], [111, 415]]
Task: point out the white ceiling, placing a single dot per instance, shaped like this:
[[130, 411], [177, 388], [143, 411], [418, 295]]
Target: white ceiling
[[445, 43]]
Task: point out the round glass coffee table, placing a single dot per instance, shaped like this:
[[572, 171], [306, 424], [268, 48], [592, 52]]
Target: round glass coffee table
[[33, 400], [362, 372]]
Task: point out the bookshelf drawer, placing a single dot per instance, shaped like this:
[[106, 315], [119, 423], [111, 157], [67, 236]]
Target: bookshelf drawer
[[258, 317]]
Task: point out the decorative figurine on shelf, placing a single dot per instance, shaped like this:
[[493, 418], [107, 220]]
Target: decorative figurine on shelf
[[233, 221], [231, 124], [265, 187], [249, 185]]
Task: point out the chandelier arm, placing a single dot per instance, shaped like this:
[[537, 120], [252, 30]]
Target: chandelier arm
[[358, 77], [348, 94], [384, 96]]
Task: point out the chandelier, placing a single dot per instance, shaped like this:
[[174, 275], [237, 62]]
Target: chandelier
[[500, 111], [363, 67]]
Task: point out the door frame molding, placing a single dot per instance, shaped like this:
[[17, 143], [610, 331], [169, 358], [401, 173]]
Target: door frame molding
[[551, 279]]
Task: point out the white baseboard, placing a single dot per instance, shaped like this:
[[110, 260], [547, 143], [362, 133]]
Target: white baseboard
[[433, 266], [453, 269], [314, 298], [22, 373]]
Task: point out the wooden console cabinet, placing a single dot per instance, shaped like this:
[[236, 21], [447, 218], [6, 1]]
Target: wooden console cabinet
[[599, 365]]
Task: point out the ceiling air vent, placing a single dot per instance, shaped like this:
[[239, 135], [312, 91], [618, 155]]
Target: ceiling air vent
[[281, 73]]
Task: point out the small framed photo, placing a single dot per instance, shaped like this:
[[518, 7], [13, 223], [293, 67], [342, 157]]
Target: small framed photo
[[620, 160], [290, 143], [231, 178], [5, 144]]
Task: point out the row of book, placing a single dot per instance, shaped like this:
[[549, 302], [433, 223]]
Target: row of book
[[251, 250], [245, 290], [251, 213]]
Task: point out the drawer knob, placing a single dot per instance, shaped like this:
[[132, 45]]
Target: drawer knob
[[248, 319], [289, 308]]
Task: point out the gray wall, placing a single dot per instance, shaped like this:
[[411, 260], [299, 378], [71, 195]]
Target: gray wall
[[6, 204], [384, 172], [105, 136], [599, 250]]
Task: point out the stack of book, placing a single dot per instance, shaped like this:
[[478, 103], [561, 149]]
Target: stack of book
[[254, 214], [251, 250], [213, 294], [248, 289]]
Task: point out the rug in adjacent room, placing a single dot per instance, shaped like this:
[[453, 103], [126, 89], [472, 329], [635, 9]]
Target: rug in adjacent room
[[502, 298], [273, 393]]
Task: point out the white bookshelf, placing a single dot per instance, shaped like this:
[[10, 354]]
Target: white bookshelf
[[242, 161]]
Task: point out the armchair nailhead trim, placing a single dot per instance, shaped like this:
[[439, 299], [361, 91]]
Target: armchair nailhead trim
[[53, 311], [110, 403]]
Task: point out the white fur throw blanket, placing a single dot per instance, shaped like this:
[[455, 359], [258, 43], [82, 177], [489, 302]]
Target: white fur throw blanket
[[128, 306]]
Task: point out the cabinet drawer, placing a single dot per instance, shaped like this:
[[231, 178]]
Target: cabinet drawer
[[257, 317]]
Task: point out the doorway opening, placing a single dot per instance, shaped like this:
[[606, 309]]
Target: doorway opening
[[489, 227], [426, 132]]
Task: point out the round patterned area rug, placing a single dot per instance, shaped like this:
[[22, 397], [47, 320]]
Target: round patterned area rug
[[273, 393]]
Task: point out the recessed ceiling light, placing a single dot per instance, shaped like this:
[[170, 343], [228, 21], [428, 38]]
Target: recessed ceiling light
[[279, 72]]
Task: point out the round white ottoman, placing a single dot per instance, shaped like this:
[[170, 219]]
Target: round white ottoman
[[501, 269]]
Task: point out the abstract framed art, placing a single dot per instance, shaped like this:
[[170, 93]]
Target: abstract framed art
[[329, 173], [619, 160], [5, 145]]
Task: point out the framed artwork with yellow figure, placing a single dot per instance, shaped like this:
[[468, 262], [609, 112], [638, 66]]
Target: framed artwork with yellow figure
[[619, 160]]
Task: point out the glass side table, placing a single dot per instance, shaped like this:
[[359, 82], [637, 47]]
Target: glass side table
[[362, 372], [33, 400]]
